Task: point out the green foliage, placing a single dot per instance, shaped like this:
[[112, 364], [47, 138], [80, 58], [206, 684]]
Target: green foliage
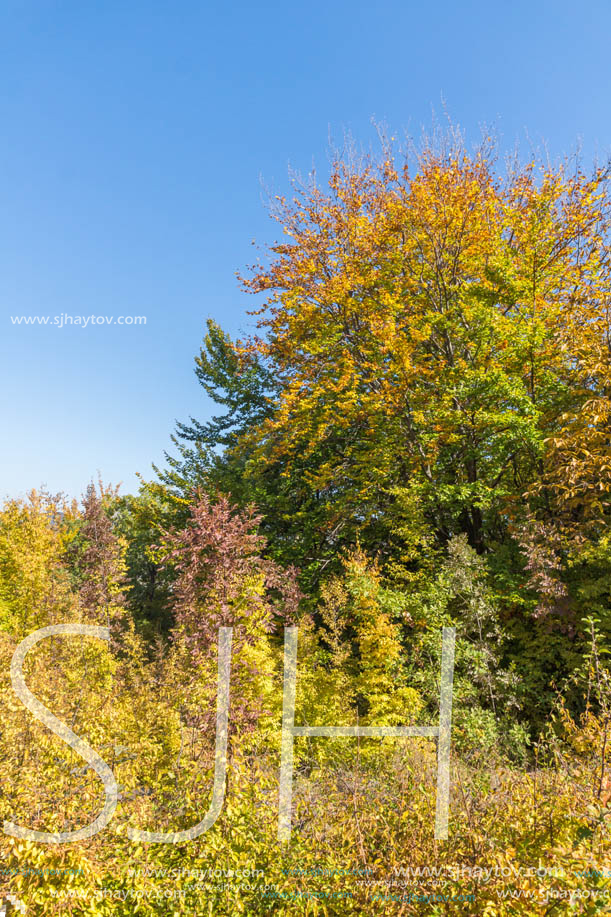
[[421, 426]]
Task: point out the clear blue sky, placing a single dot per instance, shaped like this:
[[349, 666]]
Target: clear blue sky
[[134, 139]]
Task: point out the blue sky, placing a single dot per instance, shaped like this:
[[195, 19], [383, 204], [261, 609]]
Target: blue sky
[[135, 137]]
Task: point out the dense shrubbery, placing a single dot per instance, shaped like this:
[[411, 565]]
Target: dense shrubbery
[[418, 438]]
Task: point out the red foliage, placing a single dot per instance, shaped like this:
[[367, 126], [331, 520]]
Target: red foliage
[[216, 556]]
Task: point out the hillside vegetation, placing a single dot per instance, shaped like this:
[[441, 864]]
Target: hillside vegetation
[[418, 436]]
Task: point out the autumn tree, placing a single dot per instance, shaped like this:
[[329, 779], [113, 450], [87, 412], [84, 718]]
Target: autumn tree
[[430, 323]]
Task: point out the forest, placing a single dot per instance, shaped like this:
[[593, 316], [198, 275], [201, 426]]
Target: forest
[[415, 436]]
